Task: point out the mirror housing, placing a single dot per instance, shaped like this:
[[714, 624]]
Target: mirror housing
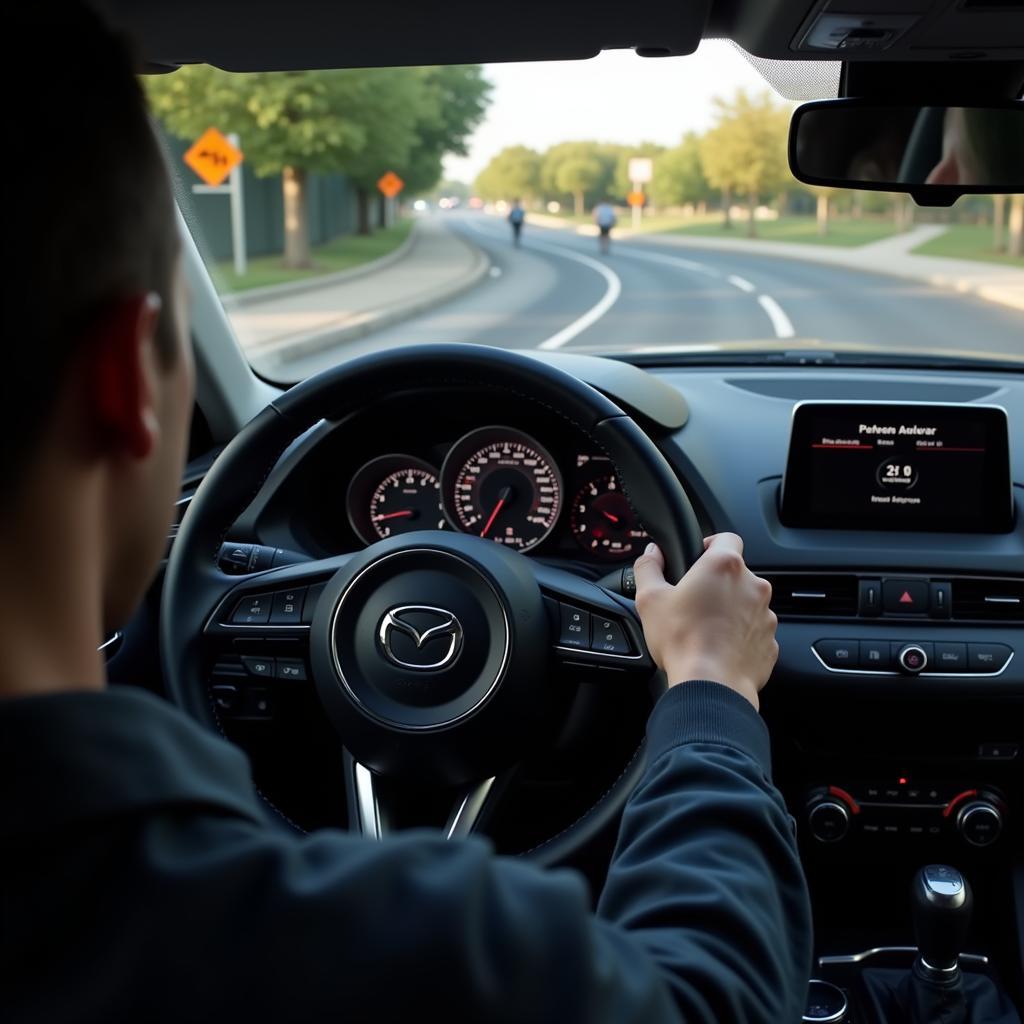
[[935, 153]]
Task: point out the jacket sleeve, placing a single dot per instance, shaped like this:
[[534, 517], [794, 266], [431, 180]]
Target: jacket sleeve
[[704, 917]]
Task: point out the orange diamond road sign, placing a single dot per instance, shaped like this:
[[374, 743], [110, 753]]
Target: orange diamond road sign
[[635, 199], [213, 157], [390, 184]]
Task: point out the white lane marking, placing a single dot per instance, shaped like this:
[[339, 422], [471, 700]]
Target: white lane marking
[[782, 324], [673, 261], [592, 315], [741, 282], [598, 310]]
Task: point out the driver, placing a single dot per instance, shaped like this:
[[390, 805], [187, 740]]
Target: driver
[[141, 878]]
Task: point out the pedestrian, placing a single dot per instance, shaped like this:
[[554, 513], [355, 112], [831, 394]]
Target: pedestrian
[[516, 216], [604, 218]]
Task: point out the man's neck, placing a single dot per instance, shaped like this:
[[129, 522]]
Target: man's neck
[[51, 594]]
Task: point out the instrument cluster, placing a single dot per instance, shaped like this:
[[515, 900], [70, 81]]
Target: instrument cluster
[[501, 484]]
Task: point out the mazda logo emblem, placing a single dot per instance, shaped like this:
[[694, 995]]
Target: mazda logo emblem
[[435, 635]]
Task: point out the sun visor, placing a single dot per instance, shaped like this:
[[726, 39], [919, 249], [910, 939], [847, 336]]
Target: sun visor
[[259, 35]]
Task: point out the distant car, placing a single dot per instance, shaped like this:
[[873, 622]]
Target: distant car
[[476, 203], [420, 205]]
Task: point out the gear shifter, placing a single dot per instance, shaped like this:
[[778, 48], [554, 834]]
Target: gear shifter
[[941, 905], [934, 991]]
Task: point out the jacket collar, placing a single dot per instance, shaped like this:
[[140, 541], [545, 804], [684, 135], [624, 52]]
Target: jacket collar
[[74, 757]]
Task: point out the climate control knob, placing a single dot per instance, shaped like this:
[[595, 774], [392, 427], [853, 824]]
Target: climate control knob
[[828, 820], [979, 822], [912, 658]]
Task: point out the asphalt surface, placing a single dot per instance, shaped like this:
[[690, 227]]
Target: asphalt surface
[[558, 291]]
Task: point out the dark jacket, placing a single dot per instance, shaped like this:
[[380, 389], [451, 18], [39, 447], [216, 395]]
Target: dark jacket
[[141, 881]]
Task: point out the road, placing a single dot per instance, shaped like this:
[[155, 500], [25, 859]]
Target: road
[[557, 291]]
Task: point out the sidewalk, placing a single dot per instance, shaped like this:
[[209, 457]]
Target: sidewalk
[[433, 266], [990, 281]]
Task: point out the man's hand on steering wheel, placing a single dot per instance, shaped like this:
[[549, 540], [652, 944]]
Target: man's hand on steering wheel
[[715, 623]]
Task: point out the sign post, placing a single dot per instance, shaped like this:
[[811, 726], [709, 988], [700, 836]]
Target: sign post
[[214, 157], [390, 184], [641, 170]]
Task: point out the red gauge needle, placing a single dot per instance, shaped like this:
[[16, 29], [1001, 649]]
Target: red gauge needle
[[404, 514], [611, 518], [502, 498]]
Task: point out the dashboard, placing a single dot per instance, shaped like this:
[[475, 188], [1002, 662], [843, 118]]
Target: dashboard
[[455, 461], [896, 708]]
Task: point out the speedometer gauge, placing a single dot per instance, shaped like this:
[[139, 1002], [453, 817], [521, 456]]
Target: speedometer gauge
[[394, 494], [500, 484]]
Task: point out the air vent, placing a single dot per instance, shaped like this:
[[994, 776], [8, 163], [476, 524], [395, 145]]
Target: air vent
[[990, 600], [813, 594]]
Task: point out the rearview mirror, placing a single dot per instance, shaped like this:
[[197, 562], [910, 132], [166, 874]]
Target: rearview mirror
[[935, 153]]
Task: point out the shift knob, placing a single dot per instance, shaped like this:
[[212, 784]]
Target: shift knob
[[941, 908]]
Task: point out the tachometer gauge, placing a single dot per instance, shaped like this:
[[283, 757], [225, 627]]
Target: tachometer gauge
[[500, 484], [394, 494], [602, 521]]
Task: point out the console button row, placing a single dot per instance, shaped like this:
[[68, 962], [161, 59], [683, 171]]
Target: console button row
[[591, 632], [913, 656]]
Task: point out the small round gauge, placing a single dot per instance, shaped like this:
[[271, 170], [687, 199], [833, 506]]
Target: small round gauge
[[499, 483], [394, 494], [602, 521]]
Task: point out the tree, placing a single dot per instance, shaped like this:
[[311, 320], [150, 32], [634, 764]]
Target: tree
[[823, 195], [679, 175], [1016, 245], [745, 151], [359, 122], [578, 175], [514, 173], [598, 184], [998, 222], [455, 101]]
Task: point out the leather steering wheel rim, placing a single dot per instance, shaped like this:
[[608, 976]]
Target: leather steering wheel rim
[[193, 581]]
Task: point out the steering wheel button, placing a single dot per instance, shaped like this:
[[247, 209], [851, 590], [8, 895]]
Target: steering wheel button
[[252, 611], [225, 697], [287, 607], [608, 637], [255, 666], [575, 627], [291, 668], [259, 703]]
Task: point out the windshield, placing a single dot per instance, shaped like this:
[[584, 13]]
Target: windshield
[[618, 206]]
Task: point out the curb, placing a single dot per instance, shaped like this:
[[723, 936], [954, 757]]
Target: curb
[[286, 349], [251, 296]]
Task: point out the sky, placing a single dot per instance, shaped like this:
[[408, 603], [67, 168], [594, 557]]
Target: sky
[[615, 97]]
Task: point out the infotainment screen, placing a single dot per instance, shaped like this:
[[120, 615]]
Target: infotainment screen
[[895, 466]]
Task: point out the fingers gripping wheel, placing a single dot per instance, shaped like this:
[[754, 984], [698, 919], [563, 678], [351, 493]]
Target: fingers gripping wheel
[[429, 651]]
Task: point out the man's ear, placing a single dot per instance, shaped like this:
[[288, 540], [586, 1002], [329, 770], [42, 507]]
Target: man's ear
[[121, 365]]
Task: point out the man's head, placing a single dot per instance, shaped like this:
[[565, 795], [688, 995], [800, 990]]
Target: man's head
[[98, 369]]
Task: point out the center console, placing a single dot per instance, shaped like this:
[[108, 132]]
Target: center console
[[897, 708]]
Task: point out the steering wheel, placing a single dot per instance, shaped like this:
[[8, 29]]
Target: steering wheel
[[432, 653]]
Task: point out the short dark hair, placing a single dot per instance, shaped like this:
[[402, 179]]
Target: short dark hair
[[89, 212]]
